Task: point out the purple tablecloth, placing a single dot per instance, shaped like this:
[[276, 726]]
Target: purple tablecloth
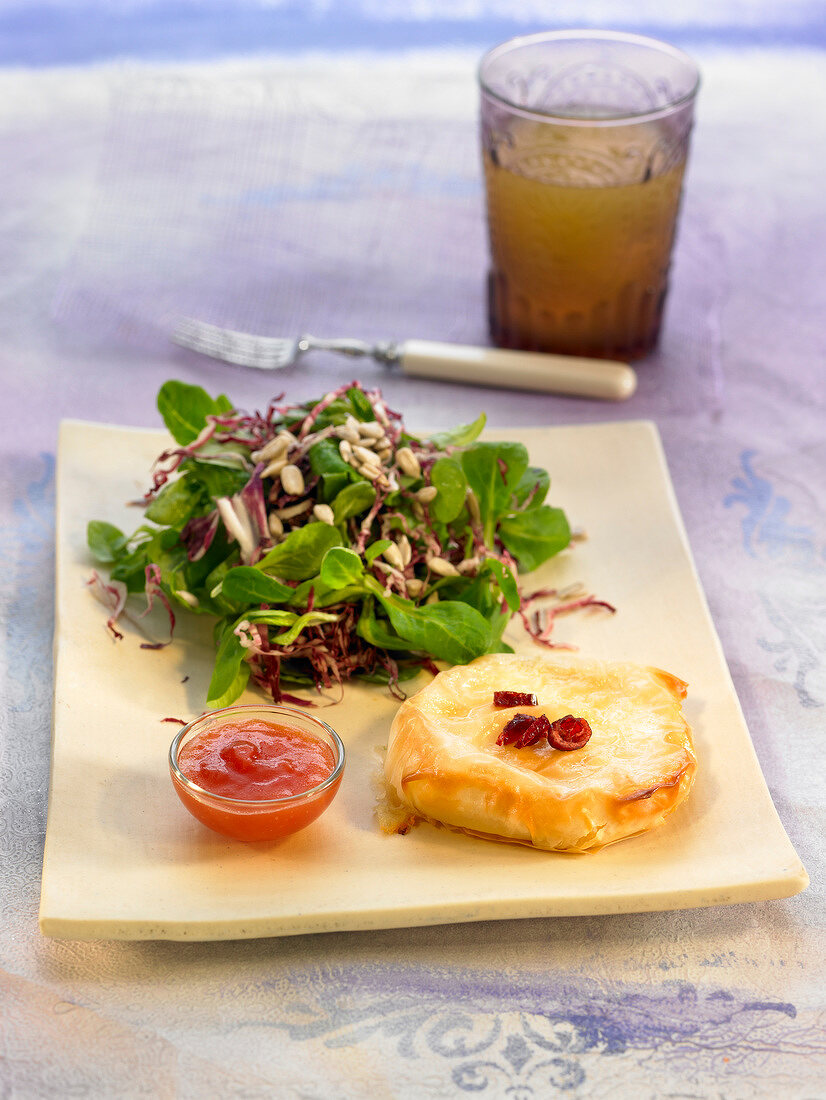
[[341, 192]]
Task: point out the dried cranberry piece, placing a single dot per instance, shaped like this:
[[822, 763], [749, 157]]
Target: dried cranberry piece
[[568, 733], [524, 730], [532, 734], [540, 728], [515, 729], [514, 699], [565, 734]]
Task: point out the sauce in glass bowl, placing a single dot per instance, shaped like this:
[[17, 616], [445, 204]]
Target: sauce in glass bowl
[[256, 772]]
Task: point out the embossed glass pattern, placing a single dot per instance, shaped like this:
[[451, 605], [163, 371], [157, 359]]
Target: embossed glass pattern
[[585, 136]]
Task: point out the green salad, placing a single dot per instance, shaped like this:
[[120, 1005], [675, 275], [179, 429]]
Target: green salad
[[327, 541]]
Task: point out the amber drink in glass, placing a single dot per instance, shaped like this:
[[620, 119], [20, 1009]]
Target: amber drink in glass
[[585, 136]]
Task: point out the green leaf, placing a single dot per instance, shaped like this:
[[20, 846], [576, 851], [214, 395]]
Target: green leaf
[[175, 503], [362, 408], [273, 617], [223, 455], [301, 553], [105, 541], [449, 630], [479, 593], [217, 699], [323, 595], [447, 476], [219, 571], [231, 672], [287, 637], [536, 535], [533, 487], [376, 548], [328, 465], [377, 632], [166, 539], [248, 585], [218, 479], [493, 471], [341, 566], [184, 409], [324, 458], [504, 578], [131, 569], [293, 622], [353, 500], [460, 436], [332, 485]]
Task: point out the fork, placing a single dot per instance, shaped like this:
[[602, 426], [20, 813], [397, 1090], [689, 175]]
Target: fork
[[520, 370]]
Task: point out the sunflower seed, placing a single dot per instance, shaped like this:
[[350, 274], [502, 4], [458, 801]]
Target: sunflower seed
[[274, 448], [275, 525], [324, 514], [405, 549], [441, 566], [345, 449], [294, 509], [393, 555], [427, 494], [407, 462], [274, 468], [432, 598], [371, 429], [370, 471], [349, 435], [293, 480], [364, 454], [414, 586], [469, 565]]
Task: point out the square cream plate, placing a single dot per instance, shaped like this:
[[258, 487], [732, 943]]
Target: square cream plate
[[124, 860]]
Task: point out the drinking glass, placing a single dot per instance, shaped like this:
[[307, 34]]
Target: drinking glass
[[585, 137]]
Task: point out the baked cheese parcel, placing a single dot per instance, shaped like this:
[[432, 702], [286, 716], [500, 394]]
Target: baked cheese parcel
[[443, 763]]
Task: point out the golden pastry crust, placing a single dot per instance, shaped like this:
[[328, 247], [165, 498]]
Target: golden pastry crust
[[443, 763]]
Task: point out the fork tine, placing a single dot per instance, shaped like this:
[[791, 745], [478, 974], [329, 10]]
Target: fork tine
[[199, 336], [262, 352]]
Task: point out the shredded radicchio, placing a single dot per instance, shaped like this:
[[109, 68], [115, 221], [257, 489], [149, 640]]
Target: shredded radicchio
[[113, 595], [153, 589], [540, 622], [198, 533]]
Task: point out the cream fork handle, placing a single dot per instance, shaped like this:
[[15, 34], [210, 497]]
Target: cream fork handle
[[520, 370]]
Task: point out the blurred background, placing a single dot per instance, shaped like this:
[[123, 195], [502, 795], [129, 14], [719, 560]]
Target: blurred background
[[67, 32]]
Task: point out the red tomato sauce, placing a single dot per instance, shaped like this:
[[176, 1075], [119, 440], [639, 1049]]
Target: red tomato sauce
[[255, 759]]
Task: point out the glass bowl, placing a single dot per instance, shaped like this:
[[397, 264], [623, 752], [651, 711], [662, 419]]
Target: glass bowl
[[257, 819]]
